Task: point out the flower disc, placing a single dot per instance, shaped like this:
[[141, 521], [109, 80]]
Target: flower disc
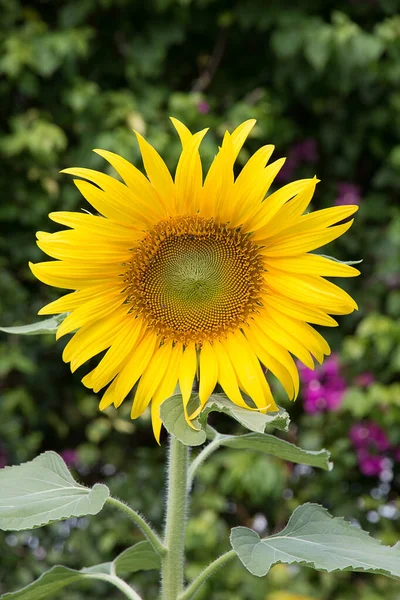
[[194, 280]]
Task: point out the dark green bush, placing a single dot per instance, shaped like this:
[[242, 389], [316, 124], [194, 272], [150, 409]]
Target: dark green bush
[[321, 77]]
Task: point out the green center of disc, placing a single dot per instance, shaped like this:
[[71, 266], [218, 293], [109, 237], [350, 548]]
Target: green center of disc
[[192, 273]]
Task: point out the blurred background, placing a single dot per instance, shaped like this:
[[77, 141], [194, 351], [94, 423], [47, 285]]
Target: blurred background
[[322, 78]]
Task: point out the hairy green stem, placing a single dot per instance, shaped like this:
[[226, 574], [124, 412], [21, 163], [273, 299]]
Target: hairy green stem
[[142, 524], [204, 575], [173, 560], [203, 455], [121, 585]]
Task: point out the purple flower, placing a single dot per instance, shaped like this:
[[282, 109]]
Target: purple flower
[[324, 387], [304, 151], [368, 435], [203, 107], [331, 366], [396, 454], [364, 379], [314, 398], [348, 193], [306, 374], [70, 457], [370, 465]]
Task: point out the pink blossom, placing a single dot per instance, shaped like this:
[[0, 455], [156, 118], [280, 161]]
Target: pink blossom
[[369, 435], [370, 465], [304, 151], [323, 388], [203, 107], [364, 379], [70, 457], [348, 193]]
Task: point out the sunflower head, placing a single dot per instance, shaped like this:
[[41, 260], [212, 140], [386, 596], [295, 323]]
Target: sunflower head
[[183, 280]]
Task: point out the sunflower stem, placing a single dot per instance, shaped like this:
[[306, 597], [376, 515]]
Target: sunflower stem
[[174, 540]]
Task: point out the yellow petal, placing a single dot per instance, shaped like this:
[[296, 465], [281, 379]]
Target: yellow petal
[[151, 378], [93, 225], [77, 248], [135, 366], [312, 264], [250, 191], [288, 214], [93, 339], [311, 290], [319, 219], [165, 389], [248, 370], [277, 351], [109, 396], [239, 135], [215, 198], [187, 371], [185, 135], [70, 275], [96, 308], [227, 376], [208, 372], [280, 372], [310, 339], [189, 176], [118, 354], [112, 198], [73, 300], [298, 310], [279, 335], [145, 194], [158, 173], [290, 245], [273, 203]]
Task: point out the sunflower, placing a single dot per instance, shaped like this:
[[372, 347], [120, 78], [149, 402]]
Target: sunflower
[[180, 280]]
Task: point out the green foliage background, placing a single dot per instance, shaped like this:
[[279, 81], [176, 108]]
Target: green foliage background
[[80, 74]]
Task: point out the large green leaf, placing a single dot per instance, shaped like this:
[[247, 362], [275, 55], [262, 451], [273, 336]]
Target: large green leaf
[[46, 326], [50, 583], [173, 417], [140, 557], [43, 490], [313, 538], [269, 444]]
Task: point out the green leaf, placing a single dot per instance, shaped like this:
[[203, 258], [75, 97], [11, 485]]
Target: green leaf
[[342, 262], [56, 579], [140, 557], [46, 326], [251, 419], [262, 442], [43, 490], [313, 538], [173, 417]]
